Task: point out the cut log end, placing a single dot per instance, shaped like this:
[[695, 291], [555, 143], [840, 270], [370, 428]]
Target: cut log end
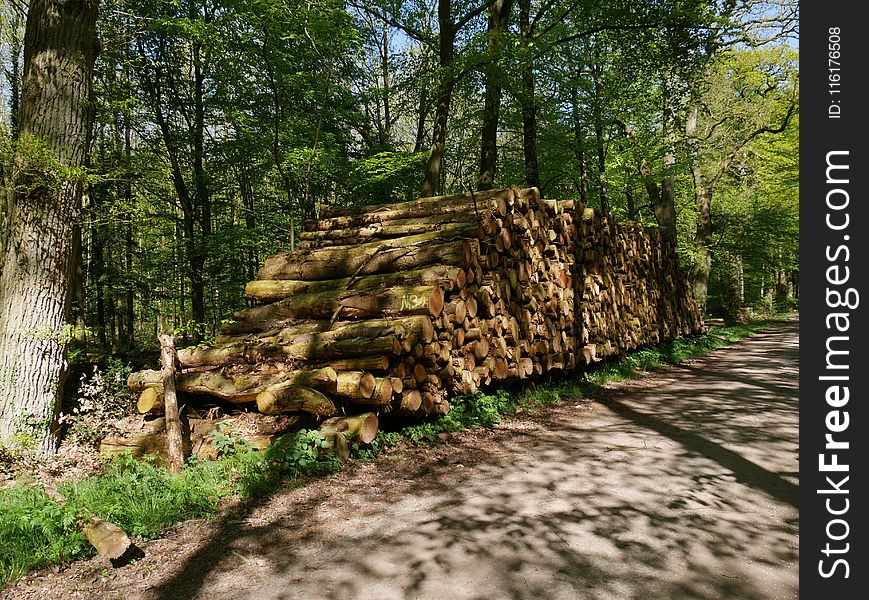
[[358, 428], [109, 540], [150, 401]]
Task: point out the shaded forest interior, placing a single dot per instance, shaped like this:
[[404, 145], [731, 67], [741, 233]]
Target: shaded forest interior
[[220, 127], [212, 147]]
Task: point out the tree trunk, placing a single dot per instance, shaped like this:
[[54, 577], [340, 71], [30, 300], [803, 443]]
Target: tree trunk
[[499, 15], [14, 73], [439, 138], [421, 114], [578, 144], [704, 241], [528, 101], [662, 199], [78, 289], [60, 47], [154, 80], [95, 272], [599, 137], [130, 294], [630, 203], [445, 96], [384, 73], [664, 206]]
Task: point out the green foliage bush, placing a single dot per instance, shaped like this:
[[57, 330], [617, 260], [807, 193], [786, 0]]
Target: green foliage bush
[[387, 177], [143, 498], [36, 531], [102, 398]]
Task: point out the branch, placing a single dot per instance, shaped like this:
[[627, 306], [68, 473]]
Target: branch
[[731, 156], [471, 14], [413, 32], [714, 127], [635, 27], [555, 22]]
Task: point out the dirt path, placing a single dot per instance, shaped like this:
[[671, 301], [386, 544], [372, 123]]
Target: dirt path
[[680, 486]]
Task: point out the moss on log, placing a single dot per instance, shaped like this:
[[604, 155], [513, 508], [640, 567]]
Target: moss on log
[[237, 389], [342, 304]]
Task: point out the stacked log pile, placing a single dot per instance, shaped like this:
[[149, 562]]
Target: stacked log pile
[[631, 291], [392, 308]]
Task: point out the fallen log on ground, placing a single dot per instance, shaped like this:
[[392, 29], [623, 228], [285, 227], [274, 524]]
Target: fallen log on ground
[[109, 540]]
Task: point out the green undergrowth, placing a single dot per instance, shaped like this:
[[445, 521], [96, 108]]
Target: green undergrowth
[[143, 498]]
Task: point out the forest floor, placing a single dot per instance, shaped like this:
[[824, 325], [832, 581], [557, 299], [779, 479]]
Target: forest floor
[[680, 485]]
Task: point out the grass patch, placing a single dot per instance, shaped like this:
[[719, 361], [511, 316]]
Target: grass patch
[[143, 498], [36, 532]]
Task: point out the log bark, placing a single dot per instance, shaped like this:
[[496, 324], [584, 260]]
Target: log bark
[[237, 389], [374, 364], [273, 349], [109, 540], [355, 384], [270, 290], [551, 284], [356, 428], [440, 247], [148, 440], [386, 229], [479, 203], [343, 304], [294, 399]]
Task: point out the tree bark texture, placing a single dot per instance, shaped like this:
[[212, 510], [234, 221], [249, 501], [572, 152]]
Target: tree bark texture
[[703, 265], [60, 47]]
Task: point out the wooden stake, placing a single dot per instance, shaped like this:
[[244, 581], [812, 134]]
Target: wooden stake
[[174, 441]]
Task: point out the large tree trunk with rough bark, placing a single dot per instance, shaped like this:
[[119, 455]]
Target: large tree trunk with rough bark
[[662, 198], [60, 48]]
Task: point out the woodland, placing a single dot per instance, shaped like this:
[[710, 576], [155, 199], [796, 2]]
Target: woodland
[[155, 153]]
